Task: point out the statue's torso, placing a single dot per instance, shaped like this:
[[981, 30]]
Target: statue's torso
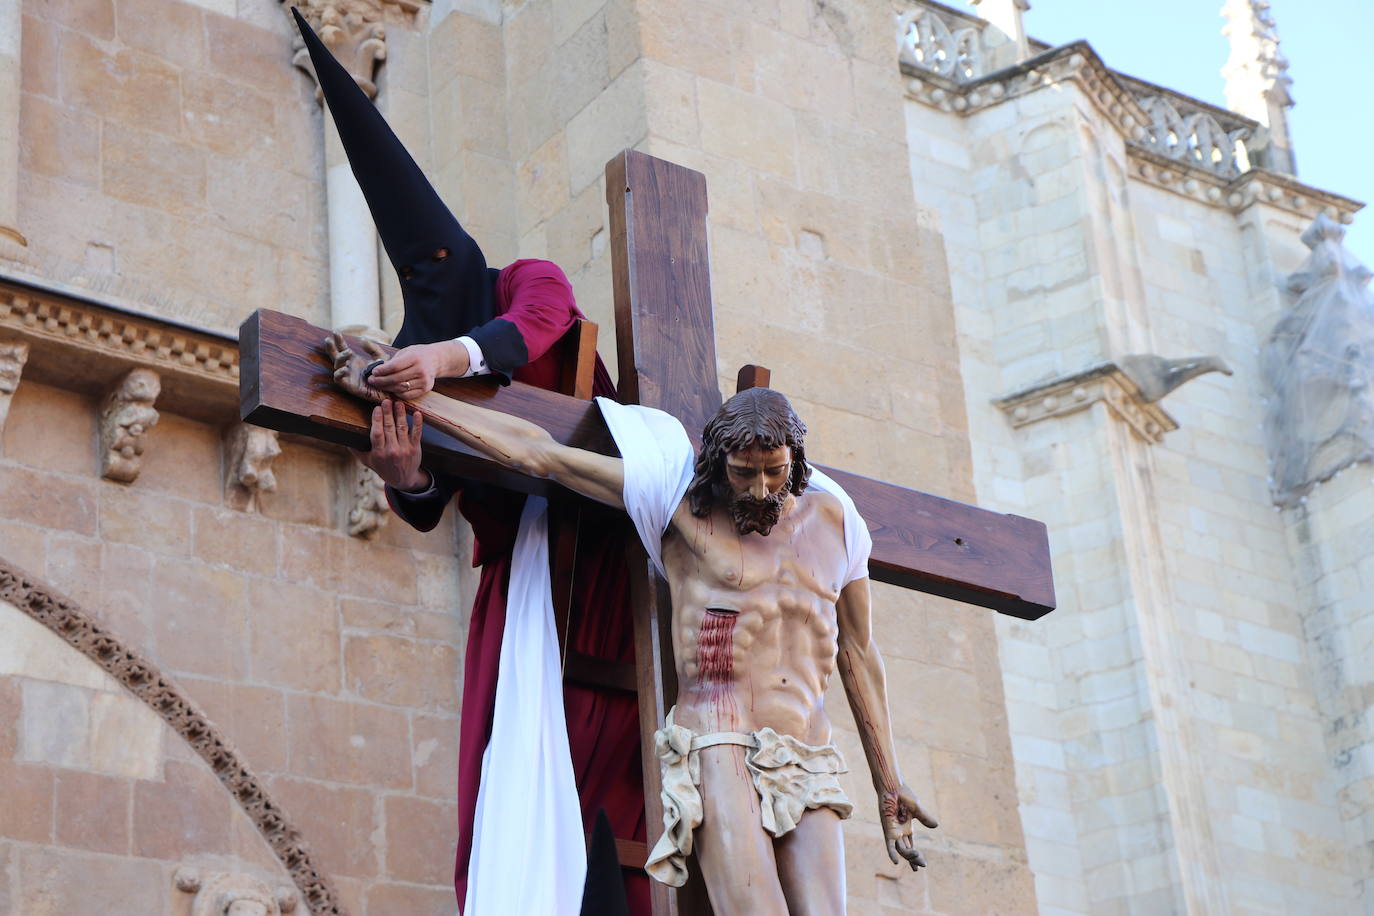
[[754, 620]]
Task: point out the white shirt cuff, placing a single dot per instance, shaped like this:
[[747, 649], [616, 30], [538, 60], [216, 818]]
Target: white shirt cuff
[[426, 493], [477, 363]]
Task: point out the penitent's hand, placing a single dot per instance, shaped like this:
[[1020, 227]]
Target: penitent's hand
[[897, 809], [411, 371], [395, 452]]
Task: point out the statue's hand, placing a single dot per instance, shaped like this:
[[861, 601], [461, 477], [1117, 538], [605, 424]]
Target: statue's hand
[[350, 369], [897, 809]]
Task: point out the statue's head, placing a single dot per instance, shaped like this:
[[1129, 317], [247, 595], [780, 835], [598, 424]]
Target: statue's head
[[752, 459]]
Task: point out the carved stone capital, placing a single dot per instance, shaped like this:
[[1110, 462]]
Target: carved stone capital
[[125, 419], [13, 355], [354, 33], [248, 455], [1106, 383], [232, 894], [368, 509]]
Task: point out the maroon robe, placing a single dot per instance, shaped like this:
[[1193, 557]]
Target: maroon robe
[[603, 727]]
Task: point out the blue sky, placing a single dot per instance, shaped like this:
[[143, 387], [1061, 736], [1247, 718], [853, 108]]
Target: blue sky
[[1178, 43]]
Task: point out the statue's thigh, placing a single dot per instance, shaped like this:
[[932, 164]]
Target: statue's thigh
[[811, 865], [734, 852]]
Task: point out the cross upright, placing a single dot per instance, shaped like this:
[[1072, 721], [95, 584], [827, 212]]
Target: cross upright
[[666, 347]]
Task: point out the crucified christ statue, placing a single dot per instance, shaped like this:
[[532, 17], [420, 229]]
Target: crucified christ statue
[[766, 561]]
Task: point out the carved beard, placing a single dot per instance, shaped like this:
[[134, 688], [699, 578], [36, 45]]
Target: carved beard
[[750, 514]]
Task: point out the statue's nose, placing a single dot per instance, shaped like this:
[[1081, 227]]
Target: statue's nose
[[759, 489]]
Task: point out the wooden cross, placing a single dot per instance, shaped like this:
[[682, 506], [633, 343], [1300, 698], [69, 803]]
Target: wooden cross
[[666, 343]]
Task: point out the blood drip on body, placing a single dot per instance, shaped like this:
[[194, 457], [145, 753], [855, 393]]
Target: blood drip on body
[[717, 642]]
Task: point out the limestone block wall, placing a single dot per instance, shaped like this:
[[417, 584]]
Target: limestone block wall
[[1330, 534], [1256, 688], [332, 664], [1164, 720], [170, 155], [527, 104], [1008, 185]]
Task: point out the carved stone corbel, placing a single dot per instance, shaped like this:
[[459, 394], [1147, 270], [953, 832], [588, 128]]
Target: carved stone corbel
[[125, 419], [352, 30], [232, 894], [1130, 389], [368, 511], [248, 455], [13, 355]]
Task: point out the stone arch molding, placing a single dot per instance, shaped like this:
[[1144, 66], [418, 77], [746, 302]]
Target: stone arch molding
[[142, 678]]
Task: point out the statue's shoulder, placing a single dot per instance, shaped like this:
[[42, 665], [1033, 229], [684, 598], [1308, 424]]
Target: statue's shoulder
[[826, 505]]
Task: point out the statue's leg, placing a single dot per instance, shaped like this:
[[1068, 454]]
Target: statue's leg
[[811, 865], [735, 854]]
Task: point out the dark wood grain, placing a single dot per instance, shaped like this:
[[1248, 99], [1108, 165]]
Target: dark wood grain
[[948, 548], [752, 376], [666, 344], [665, 332], [579, 360], [285, 384], [565, 515], [632, 853]]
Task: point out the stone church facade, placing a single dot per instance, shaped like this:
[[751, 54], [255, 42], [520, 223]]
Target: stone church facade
[[978, 265]]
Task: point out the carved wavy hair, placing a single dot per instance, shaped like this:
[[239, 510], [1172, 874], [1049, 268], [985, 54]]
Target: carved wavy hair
[[755, 416]]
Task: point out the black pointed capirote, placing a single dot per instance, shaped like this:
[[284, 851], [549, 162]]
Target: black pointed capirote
[[446, 286], [603, 894]]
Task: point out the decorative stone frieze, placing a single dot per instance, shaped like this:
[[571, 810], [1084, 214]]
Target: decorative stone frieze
[[46, 315], [1319, 367], [248, 455], [13, 355], [1173, 142], [232, 894], [1195, 138], [368, 510], [1076, 61], [125, 418], [142, 678], [1130, 388], [941, 43], [1105, 383]]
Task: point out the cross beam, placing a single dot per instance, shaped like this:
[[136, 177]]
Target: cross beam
[[920, 541]]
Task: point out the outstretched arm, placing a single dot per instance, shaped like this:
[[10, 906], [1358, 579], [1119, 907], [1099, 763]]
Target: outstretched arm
[[865, 684], [510, 441]]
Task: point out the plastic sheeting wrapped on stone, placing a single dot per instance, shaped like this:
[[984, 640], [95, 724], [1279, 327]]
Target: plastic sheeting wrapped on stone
[[1319, 367]]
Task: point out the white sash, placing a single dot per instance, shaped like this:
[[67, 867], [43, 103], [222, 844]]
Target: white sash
[[528, 852]]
